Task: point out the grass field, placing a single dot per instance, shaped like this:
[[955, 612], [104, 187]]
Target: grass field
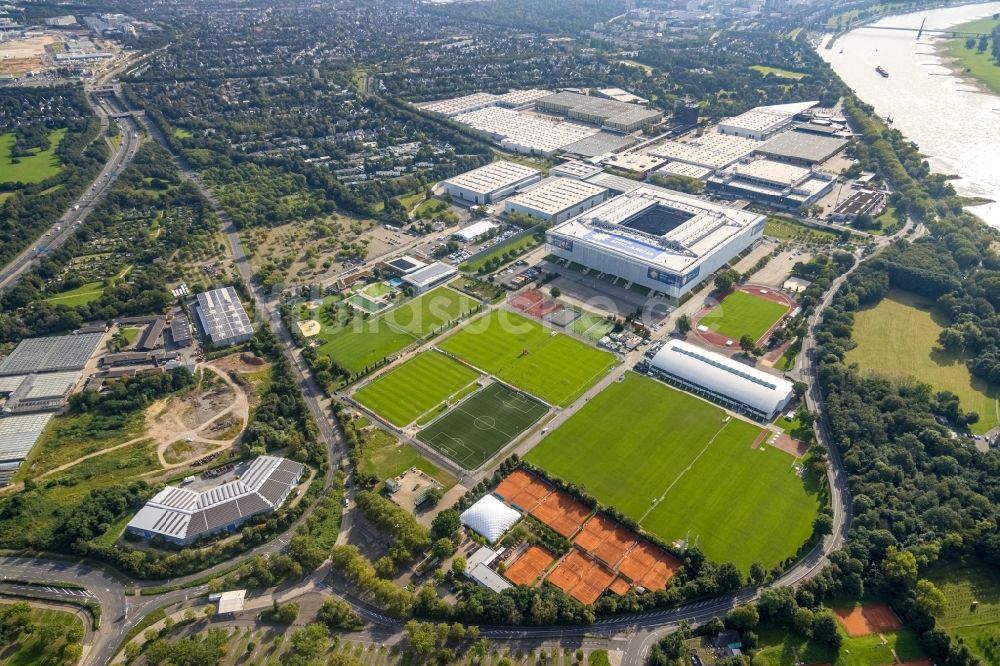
[[361, 342], [741, 313], [979, 626], [902, 316], [33, 169], [673, 463], [550, 365], [785, 229], [778, 72], [384, 456], [980, 66], [38, 513], [474, 430], [591, 326], [82, 295], [415, 387], [515, 247], [45, 643], [781, 647]]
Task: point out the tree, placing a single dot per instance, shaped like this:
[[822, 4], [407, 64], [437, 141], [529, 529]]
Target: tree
[[724, 280], [458, 565], [683, 324], [446, 524], [757, 573], [442, 548], [209, 611], [308, 645], [929, 598], [824, 628], [743, 618], [899, 568], [556, 292], [342, 659], [823, 524], [747, 344]]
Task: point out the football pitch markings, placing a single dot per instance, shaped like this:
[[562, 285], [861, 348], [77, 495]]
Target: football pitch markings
[[476, 429]]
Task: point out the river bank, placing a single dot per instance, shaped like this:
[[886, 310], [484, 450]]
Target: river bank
[[953, 122], [977, 68]]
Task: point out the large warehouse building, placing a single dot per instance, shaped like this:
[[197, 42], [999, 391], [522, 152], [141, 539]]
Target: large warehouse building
[[491, 182], [608, 113], [223, 318], [183, 516], [736, 386], [776, 184], [557, 199], [763, 122], [666, 241]]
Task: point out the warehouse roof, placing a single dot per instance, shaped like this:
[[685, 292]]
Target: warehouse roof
[[494, 176], [19, 433], [802, 146], [599, 143], [181, 513], [555, 195], [711, 150], [475, 230], [490, 517], [521, 97], [63, 352], [222, 314], [778, 173], [525, 132], [576, 169], [456, 105], [723, 375]]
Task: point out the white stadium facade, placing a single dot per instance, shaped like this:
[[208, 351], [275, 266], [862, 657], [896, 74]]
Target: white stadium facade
[[735, 385], [666, 241]]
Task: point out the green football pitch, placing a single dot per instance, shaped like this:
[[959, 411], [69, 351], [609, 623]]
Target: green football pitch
[[741, 314], [473, 431], [684, 469], [361, 342], [414, 387], [555, 367]]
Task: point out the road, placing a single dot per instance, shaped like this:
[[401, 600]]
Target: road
[[640, 630], [121, 156]]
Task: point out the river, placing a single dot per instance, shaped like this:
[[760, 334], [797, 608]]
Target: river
[[954, 122]]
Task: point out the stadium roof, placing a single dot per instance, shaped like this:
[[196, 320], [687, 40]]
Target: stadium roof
[[222, 314], [184, 514], [64, 352], [722, 375], [493, 176], [490, 517], [702, 227], [802, 146]]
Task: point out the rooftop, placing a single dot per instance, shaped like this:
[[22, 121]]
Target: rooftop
[[63, 352], [778, 173], [222, 314], [490, 518], [429, 274], [529, 132], [654, 225], [802, 146], [457, 105], [711, 150], [19, 433], [493, 176], [575, 169], [555, 195]]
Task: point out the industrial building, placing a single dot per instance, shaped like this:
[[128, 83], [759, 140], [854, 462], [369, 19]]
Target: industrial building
[[599, 144], [557, 199], [490, 518], [711, 150], [492, 182], [521, 99], [662, 240], [620, 95], [802, 148], [152, 335], [475, 231], [37, 392], [18, 434], [428, 277], [776, 184], [460, 105], [525, 133], [223, 318], [737, 386], [863, 202], [575, 169], [55, 354], [763, 122], [182, 516], [180, 331], [607, 113], [478, 569]]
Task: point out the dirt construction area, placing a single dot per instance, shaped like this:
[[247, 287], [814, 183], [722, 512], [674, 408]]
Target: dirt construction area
[[868, 619], [24, 55]]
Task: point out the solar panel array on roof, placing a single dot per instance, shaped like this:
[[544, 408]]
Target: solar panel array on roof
[[223, 317], [64, 352], [182, 516]]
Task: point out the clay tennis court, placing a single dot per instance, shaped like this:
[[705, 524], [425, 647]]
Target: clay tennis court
[[543, 308], [526, 569], [523, 490], [619, 586], [605, 539], [648, 566], [561, 512], [868, 619], [526, 299], [580, 577]]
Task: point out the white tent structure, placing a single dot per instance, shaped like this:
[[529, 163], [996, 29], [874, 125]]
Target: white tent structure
[[490, 517], [734, 384]]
